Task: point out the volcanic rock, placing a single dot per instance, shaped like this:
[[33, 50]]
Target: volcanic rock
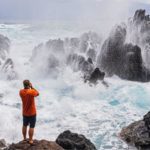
[[73, 141], [2, 144], [122, 59], [138, 133], [38, 145]]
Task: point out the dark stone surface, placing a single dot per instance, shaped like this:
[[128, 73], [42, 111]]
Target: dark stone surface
[[138, 133], [122, 59], [8, 69], [38, 145], [73, 141], [95, 76], [79, 63], [139, 28], [2, 144], [7, 66]]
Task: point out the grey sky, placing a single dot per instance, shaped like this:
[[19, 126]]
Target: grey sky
[[68, 9]]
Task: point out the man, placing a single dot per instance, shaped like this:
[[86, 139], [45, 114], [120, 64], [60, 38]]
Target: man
[[29, 110]]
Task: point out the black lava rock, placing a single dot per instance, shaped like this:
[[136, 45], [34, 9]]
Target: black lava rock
[[73, 141]]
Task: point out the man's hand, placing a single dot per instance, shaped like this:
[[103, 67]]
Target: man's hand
[[31, 85]]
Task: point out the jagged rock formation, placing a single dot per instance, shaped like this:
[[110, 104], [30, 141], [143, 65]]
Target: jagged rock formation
[[6, 64], [50, 54], [4, 47], [78, 53], [121, 58], [73, 141], [38, 145], [79, 63], [138, 133], [8, 69], [139, 28], [94, 76]]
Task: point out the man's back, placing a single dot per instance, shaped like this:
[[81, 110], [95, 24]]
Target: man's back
[[27, 96], [29, 110]]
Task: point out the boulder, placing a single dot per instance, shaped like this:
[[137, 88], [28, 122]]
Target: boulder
[[138, 133], [73, 141], [2, 144], [38, 145], [94, 76]]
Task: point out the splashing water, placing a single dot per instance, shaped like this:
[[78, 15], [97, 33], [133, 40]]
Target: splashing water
[[66, 102]]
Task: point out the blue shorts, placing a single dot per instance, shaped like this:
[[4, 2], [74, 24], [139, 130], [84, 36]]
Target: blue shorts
[[29, 120]]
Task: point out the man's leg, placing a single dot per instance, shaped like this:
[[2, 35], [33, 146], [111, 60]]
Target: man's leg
[[24, 127], [31, 132], [24, 132]]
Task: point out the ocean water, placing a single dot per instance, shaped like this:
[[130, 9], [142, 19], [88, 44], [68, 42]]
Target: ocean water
[[66, 102]]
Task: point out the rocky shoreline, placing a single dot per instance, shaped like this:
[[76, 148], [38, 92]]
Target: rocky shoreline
[[65, 141], [138, 133]]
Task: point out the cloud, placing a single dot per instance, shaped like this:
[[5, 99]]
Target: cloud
[[129, 1], [69, 9], [143, 1]]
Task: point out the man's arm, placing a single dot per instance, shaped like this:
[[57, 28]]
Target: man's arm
[[33, 92], [20, 93]]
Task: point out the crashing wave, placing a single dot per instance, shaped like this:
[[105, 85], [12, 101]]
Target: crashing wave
[[6, 64], [125, 59], [78, 53], [124, 53]]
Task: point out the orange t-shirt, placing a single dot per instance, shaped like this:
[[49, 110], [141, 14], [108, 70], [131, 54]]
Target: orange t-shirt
[[27, 96]]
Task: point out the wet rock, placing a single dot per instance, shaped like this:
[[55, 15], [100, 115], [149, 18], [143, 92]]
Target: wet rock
[[79, 63], [140, 16], [95, 76], [122, 59], [110, 57], [38, 145], [77, 53], [50, 59], [90, 40], [139, 28], [4, 48], [91, 53], [56, 45], [8, 69], [138, 133], [2, 144], [4, 43], [73, 141], [6, 64]]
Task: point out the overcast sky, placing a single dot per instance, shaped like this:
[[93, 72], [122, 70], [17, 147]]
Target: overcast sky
[[27, 10]]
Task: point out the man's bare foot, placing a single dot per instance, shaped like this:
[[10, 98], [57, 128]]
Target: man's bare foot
[[30, 141], [25, 140]]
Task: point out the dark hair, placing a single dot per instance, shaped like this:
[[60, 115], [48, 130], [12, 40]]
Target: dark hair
[[26, 83]]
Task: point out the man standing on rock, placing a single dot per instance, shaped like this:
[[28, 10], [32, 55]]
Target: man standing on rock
[[29, 109]]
